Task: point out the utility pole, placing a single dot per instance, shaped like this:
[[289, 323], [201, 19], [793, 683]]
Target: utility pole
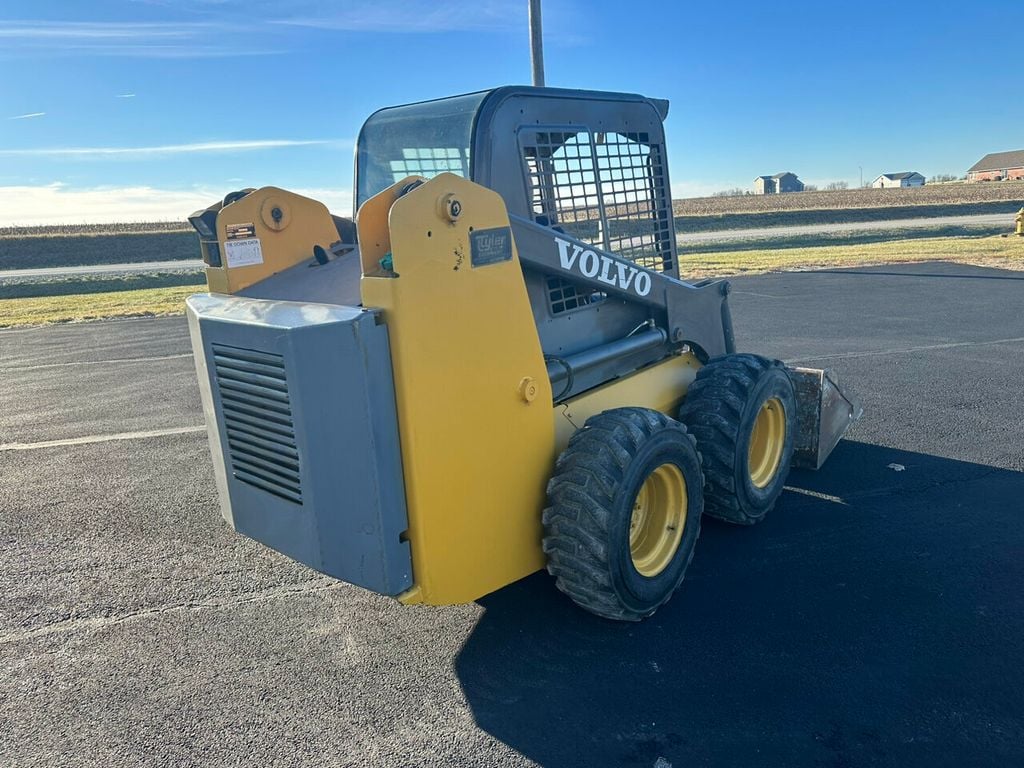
[[536, 44], [861, 167]]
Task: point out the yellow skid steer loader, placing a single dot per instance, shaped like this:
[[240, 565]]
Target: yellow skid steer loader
[[495, 367]]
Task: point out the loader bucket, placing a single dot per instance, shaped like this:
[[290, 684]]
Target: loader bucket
[[824, 412]]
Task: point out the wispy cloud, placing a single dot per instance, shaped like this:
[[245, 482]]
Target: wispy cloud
[[26, 117], [95, 30], [205, 39], [190, 6], [215, 33], [154, 51], [59, 204], [124, 96], [409, 16], [169, 149]]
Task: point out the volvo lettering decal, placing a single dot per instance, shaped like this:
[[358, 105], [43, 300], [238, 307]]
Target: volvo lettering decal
[[599, 266]]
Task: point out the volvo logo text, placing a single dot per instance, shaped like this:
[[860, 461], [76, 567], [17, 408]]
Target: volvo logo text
[[598, 266]]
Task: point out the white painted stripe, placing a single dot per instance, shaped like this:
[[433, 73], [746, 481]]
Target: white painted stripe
[[100, 438], [815, 494], [906, 350], [763, 295], [284, 592], [113, 361]]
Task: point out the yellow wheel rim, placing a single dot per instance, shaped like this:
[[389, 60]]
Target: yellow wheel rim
[[659, 516], [766, 443]]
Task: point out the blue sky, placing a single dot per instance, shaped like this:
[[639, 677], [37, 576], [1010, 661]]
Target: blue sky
[[146, 109]]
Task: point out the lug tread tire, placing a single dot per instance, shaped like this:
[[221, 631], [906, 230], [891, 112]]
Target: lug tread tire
[[713, 412], [579, 520]]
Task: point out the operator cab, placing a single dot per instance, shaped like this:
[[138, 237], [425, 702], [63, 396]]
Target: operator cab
[[591, 164]]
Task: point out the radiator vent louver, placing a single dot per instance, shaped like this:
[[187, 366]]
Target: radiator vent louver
[[257, 412]]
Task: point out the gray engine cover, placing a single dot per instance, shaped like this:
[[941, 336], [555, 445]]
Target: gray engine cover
[[300, 408]]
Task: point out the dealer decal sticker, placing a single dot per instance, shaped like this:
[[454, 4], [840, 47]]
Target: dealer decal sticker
[[243, 253]]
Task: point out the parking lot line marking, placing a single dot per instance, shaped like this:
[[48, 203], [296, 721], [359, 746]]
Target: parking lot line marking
[[100, 438], [763, 295], [906, 350], [229, 601], [94, 362], [815, 494]]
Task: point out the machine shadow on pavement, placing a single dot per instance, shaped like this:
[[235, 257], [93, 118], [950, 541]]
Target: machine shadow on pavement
[[875, 617]]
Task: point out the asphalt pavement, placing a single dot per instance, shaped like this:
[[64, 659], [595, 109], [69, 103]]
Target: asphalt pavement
[[876, 617]]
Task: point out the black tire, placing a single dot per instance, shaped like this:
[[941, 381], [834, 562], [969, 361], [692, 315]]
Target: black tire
[[591, 498], [720, 410]]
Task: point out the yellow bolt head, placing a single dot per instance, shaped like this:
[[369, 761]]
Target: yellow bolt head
[[528, 389]]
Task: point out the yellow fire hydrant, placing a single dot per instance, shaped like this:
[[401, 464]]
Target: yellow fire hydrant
[[1020, 222]]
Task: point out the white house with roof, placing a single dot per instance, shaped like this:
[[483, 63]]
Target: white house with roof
[[902, 179], [778, 184]]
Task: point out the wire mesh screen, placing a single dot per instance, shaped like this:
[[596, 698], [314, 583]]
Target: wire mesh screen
[[632, 178], [430, 161], [565, 296], [563, 183], [607, 189]]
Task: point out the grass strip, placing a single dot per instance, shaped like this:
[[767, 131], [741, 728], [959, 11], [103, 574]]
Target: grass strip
[[44, 310], [71, 286], [999, 252]]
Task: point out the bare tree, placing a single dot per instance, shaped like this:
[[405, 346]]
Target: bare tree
[[833, 186]]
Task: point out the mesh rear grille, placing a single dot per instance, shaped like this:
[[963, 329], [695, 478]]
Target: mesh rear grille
[[607, 189], [565, 296], [257, 414]]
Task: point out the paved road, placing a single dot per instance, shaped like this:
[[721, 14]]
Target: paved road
[[141, 267], [762, 233], [875, 618]]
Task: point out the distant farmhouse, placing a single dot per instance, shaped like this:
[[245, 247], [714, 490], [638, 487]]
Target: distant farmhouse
[[902, 179], [998, 166], [777, 184]]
